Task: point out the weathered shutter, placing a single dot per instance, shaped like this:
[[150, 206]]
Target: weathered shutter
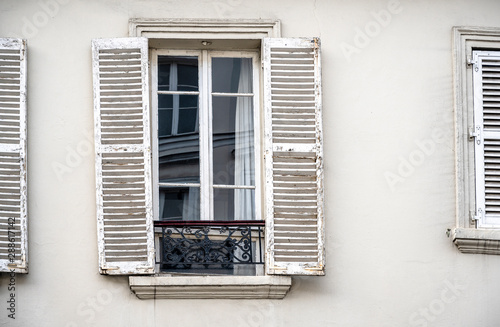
[[123, 156], [486, 133], [293, 156], [13, 181]]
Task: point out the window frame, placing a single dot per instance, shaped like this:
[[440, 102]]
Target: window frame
[[205, 125], [468, 235]]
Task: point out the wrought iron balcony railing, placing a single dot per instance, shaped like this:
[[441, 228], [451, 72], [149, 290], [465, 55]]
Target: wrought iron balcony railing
[[227, 247]]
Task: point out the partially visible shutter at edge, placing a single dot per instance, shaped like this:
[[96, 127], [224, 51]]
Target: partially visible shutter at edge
[[13, 179], [293, 156], [123, 156], [486, 84]]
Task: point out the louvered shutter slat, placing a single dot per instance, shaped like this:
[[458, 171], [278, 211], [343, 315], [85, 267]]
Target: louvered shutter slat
[[123, 156], [294, 169], [13, 175]]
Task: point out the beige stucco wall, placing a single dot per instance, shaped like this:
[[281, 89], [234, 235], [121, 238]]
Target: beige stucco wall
[[389, 169]]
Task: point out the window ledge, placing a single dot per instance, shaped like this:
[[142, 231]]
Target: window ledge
[[481, 241], [210, 287]]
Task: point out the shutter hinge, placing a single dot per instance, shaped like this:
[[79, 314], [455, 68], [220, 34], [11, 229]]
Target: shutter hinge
[[473, 63], [479, 215], [475, 133]]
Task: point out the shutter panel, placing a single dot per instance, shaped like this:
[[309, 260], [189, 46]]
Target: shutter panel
[[486, 84], [13, 189], [123, 156], [293, 156]]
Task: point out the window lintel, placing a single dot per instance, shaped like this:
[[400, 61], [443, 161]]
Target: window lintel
[[250, 29]]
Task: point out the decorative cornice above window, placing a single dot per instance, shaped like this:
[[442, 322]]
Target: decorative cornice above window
[[204, 28]]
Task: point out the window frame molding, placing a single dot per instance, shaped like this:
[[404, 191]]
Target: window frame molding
[[466, 235]]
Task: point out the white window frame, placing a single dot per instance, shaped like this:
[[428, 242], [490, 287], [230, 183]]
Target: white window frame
[[469, 234], [205, 125]]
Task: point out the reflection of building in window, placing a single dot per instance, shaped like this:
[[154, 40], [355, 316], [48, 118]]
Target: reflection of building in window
[[206, 153]]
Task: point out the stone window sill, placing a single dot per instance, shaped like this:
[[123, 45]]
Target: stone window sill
[[481, 241], [210, 287]]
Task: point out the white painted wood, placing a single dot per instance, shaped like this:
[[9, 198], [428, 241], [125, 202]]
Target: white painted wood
[[13, 157], [123, 156], [293, 156], [206, 166], [486, 129]]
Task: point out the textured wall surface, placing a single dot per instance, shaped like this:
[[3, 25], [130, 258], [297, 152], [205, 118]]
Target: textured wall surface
[[389, 169]]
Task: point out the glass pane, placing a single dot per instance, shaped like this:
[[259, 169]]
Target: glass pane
[[177, 114], [165, 114], [178, 138], [233, 141], [188, 114], [177, 73], [234, 204], [232, 75], [179, 203], [188, 76]]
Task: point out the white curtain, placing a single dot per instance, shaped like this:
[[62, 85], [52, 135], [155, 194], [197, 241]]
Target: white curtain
[[244, 169], [191, 204], [162, 204]]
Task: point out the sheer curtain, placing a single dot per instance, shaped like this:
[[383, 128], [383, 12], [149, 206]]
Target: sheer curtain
[[244, 161], [191, 204], [244, 169]]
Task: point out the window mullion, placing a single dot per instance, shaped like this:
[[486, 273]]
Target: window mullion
[[206, 207], [257, 141]]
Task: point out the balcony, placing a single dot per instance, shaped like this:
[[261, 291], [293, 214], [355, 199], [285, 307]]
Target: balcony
[[210, 260], [210, 247]]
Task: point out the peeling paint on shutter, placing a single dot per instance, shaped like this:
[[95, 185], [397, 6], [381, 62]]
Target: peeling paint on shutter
[[123, 156], [13, 179], [293, 156], [486, 132]]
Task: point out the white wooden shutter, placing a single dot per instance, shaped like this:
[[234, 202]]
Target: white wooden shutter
[[13, 181], [123, 156], [293, 156], [486, 132]]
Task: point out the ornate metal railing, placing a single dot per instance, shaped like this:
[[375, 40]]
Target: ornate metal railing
[[205, 245]]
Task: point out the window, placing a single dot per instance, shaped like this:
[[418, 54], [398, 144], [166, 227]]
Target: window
[[228, 137], [207, 159], [478, 135], [207, 142], [13, 150]]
